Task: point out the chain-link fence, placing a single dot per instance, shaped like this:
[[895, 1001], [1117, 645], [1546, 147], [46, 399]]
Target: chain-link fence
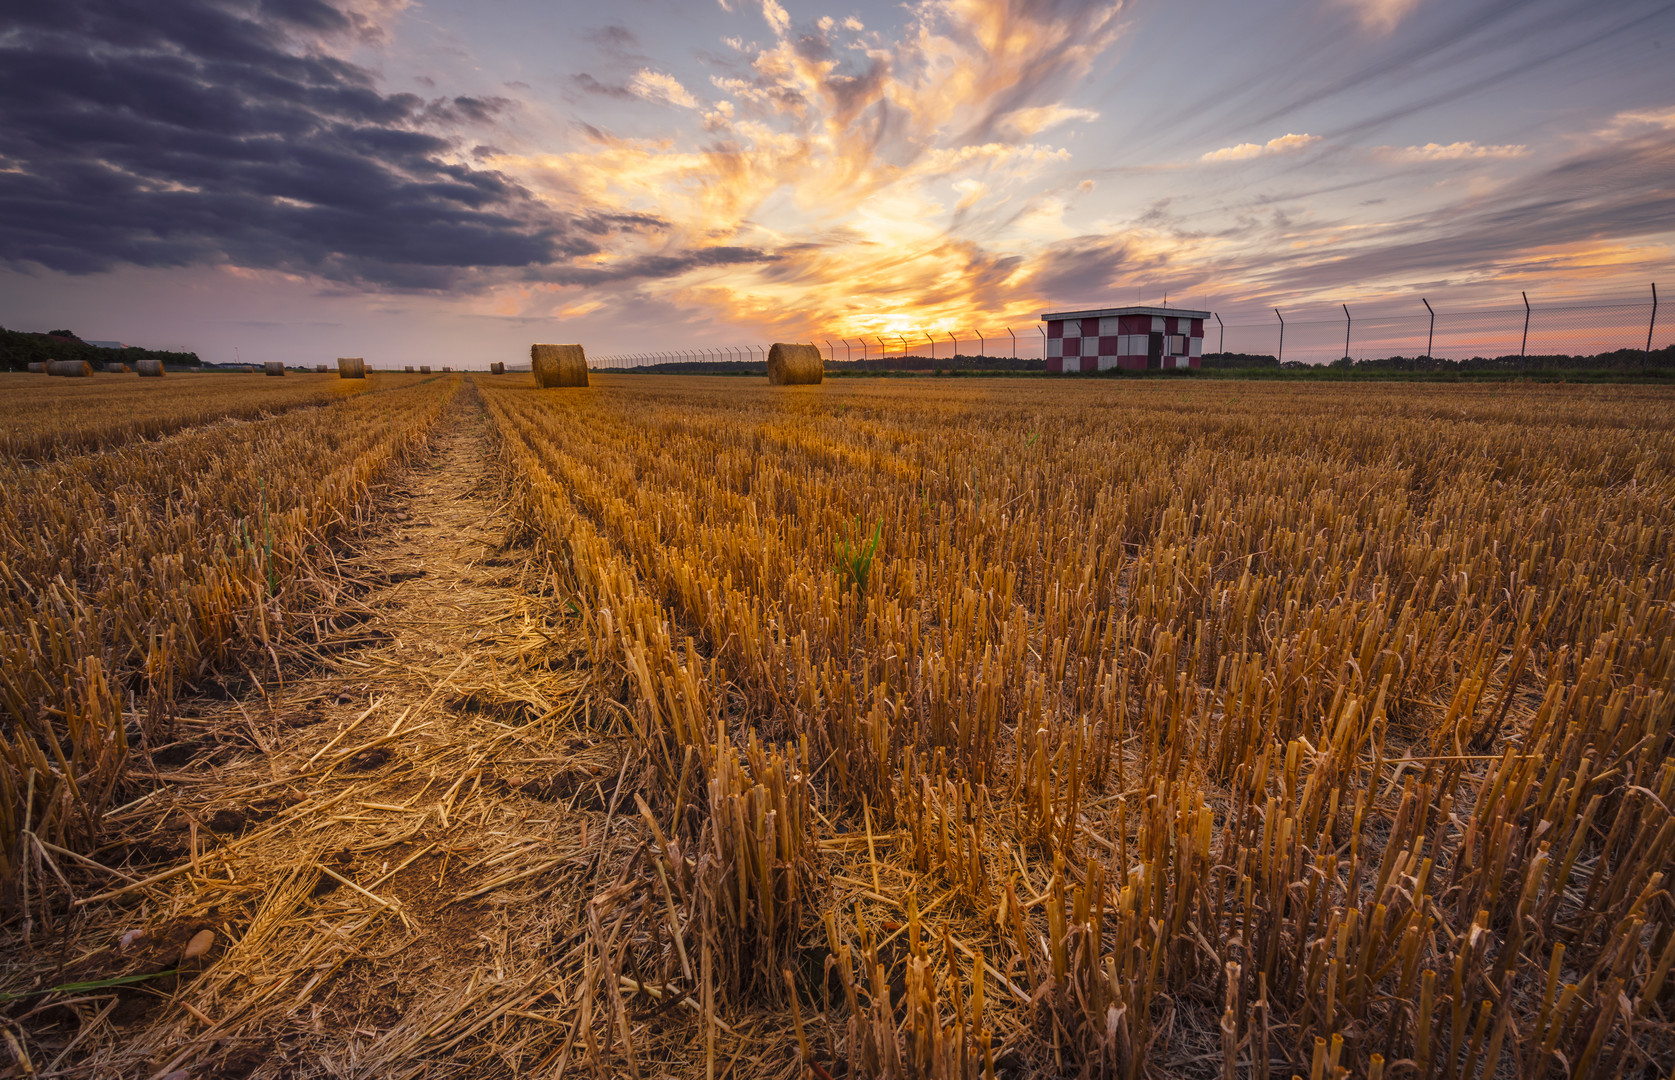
[[1426, 332]]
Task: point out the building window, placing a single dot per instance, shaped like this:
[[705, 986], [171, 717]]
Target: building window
[[1177, 344]]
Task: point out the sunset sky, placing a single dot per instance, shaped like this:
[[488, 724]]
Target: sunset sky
[[443, 180]]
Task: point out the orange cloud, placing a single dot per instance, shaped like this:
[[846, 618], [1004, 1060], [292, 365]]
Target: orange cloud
[[849, 177]]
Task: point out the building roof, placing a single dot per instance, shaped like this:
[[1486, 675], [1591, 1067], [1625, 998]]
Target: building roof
[[1106, 313], [106, 344]]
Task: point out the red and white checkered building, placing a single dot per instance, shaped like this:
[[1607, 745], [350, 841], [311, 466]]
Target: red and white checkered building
[[1131, 338]]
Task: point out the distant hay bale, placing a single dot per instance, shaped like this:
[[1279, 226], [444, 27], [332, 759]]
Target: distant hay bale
[[150, 368], [38, 368], [273, 367], [424, 369], [351, 367], [558, 365], [70, 369], [408, 369], [497, 368], [319, 367], [795, 365], [115, 367]]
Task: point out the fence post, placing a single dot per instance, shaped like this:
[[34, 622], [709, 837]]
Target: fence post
[[1280, 359], [831, 353], [1043, 330], [932, 340], [1430, 335], [955, 342], [982, 342], [1346, 325], [1646, 357], [1221, 341], [1523, 346], [1014, 343]]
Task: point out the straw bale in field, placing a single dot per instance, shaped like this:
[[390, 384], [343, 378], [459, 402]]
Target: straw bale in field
[[795, 365], [424, 369], [273, 367], [558, 365], [37, 368], [319, 367], [408, 369], [74, 369], [497, 368], [351, 367], [150, 368]]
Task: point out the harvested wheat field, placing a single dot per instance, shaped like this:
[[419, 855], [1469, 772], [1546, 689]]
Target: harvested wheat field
[[950, 728]]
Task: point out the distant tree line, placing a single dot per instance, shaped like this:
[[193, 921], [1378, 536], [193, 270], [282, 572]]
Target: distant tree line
[[960, 363], [19, 349], [1625, 361]]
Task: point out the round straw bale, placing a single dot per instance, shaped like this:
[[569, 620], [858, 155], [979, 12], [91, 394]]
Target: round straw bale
[[150, 368], [115, 367], [408, 369], [497, 368], [558, 365], [424, 369], [273, 367], [74, 369], [795, 365], [38, 368], [351, 367], [319, 367]]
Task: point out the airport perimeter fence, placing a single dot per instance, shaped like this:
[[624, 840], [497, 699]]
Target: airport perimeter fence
[[1412, 334]]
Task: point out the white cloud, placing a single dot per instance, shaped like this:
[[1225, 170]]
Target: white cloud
[[656, 86], [1024, 123], [1282, 145], [1454, 151], [776, 16], [1639, 120]]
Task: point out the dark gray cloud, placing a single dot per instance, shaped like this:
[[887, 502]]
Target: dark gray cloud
[[201, 131]]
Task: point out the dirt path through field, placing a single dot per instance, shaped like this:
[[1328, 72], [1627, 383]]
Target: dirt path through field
[[390, 848]]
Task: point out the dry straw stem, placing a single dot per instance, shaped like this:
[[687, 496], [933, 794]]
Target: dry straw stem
[[209, 558], [273, 367], [558, 365], [1223, 720], [150, 368], [351, 367], [420, 907], [48, 419], [795, 365], [73, 369]]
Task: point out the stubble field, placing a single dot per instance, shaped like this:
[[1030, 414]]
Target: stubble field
[[696, 727]]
